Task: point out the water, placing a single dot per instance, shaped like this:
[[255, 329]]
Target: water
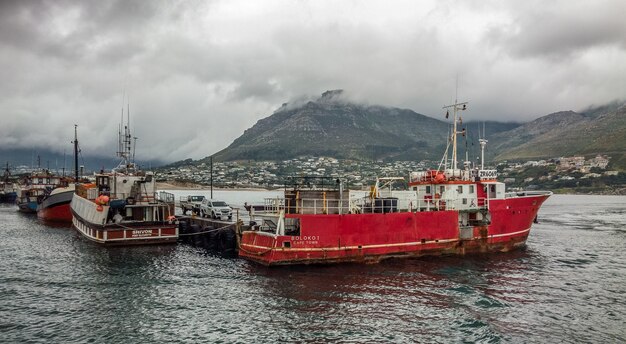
[[566, 286]]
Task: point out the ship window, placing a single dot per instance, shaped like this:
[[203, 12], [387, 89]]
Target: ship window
[[460, 189], [471, 189], [442, 189], [415, 188], [427, 189]]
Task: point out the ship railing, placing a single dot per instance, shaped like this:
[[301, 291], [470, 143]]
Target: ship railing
[[367, 205], [133, 198], [527, 193], [166, 197], [305, 206]]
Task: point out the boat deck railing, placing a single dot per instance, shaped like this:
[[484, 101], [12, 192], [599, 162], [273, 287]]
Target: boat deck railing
[[527, 194], [140, 198], [273, 206]]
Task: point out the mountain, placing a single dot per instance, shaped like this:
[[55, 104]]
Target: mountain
[[333, 126], [600, 130], [56, 162]]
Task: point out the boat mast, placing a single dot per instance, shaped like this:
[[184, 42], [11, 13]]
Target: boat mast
[[456, 108], [125, 142], [75, 153]]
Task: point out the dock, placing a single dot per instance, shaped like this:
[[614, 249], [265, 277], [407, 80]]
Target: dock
[[222, 237]]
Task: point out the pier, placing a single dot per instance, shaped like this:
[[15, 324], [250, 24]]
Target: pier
[[218, 236]]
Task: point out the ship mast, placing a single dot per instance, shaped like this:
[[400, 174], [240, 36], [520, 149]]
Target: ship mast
[[483, 143], [75, 153], [125, 144], [456, 107]]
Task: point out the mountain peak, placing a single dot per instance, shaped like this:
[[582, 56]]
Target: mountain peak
[[331, 96]]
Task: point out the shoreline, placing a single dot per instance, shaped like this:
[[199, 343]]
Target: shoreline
[[198, 187]]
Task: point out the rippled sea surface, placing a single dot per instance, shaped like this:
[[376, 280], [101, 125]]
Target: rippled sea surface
[[568, 285]]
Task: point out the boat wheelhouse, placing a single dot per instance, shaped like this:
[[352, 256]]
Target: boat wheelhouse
[[33, 188]]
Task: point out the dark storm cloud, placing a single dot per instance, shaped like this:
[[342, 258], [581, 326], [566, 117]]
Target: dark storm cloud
[[197, 74]]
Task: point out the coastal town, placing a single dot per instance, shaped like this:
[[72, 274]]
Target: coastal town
[[563, 173]]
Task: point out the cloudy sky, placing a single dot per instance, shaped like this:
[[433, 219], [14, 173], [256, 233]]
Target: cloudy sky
[[198, 73]]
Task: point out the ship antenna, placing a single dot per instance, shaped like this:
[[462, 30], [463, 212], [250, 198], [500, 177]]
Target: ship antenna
[[134, 147], [483, 143], [456, 107]]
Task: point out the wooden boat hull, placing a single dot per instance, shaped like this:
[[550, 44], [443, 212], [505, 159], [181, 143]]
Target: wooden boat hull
[[122, 236]]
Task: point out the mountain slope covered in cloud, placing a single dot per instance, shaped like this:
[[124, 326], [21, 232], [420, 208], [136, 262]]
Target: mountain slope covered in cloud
[[334, 126]]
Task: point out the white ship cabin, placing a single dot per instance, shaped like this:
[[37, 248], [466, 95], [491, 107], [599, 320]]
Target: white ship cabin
[[132, 188], [463, 190], [42, 181], [133, 197]]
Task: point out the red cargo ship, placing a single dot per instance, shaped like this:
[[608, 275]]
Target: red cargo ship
[[446, 211]]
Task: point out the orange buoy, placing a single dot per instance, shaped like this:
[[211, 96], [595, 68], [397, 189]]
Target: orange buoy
[[440, 178]]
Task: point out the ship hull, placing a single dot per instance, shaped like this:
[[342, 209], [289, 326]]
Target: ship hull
[[8, 197], [56, 207], [27, 206], [369, 238], [127, 236]]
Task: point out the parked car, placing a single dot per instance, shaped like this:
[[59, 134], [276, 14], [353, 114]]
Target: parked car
[[215, 209], [191, 203]]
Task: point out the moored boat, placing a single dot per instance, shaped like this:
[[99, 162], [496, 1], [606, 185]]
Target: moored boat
[[33, 188], [123, 207], [55, 204], [445, 211], [8, 188]]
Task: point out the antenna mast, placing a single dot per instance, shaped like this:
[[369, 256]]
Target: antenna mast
[[456, 119], [483, 143]]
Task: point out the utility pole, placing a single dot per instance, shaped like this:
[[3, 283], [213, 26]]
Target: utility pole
[[211, 160]]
